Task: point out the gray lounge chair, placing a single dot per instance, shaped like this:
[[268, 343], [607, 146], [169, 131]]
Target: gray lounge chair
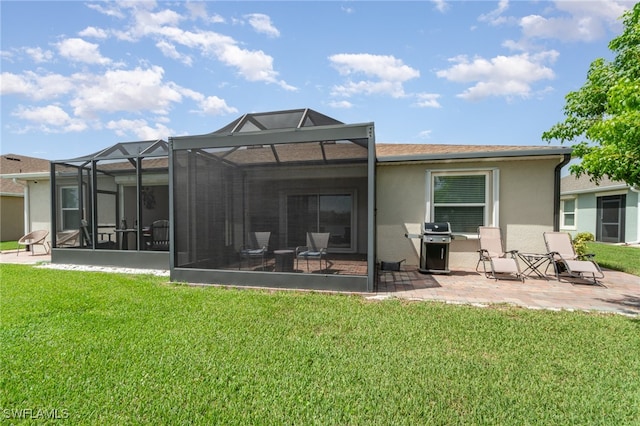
[[502, 264], [566, 261]]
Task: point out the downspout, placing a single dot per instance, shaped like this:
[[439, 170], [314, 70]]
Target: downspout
[[556, 191], [27, 205], [636, 189]]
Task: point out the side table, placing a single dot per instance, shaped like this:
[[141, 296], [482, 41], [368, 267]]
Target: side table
[[534, 263], [284, 260]]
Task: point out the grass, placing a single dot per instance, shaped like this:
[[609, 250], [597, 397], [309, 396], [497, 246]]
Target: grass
[[122, 349], [8, 245], [619, 258]]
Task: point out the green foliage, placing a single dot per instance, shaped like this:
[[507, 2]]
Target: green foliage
[[124, 349], [602, 117], [580, 242]]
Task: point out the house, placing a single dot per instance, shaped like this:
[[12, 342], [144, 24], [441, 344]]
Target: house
[[20, 195], [294, 178], [516, 188], [610, 210]]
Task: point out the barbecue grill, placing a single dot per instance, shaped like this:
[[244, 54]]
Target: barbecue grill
[[434, 247]]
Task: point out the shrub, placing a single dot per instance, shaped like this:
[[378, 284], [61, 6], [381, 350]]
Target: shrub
[[580, 242]]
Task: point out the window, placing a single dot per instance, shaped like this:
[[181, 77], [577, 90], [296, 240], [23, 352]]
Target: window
[[462, 198], [568, 213], [70, 207]]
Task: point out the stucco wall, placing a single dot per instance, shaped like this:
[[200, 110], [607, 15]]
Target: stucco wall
[[40, 205], [586, 213], [526, 194]]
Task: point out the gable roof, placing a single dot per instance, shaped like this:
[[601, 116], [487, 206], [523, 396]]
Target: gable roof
[[572, 185], [13, 164]]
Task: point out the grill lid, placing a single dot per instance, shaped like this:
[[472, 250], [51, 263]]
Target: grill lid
[[437, 228]]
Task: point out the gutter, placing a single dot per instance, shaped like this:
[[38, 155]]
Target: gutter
[[556, 191], [636, 189]]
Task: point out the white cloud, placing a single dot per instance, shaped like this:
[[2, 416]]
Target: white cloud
[[441, 5], [341, 104], [252, 65], [425, 134], [107, 8], [134, 90], [35, 86], [78, 50], [584, 21], [495, 16], [213, 105], [506, 76], [388, 74], [50, 119], [262, 24], [428, 100], [94, 33], [169, 50], [140, 129], [38, 55]]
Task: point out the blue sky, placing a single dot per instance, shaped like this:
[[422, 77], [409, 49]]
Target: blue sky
[[80, 76]]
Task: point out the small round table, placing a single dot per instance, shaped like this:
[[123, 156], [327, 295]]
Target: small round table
[[284, 260]]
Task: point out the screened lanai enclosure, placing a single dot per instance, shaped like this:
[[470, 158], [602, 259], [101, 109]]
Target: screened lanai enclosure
[[112, 207], [278, 199]]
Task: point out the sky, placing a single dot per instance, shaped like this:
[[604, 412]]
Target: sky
[[77, 77]]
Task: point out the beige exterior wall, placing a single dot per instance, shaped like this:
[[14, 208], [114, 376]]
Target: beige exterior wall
[[12, 214], [525, 207], [40, 205]]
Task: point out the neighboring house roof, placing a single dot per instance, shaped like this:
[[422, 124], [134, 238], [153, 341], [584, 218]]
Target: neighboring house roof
[[17, 164], [390, 152], [572, 185]]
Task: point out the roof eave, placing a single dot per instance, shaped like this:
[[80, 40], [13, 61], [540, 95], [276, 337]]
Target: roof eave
[[26, 176], [476, 155]]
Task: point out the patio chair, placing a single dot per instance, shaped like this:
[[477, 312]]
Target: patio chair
[[68, 238], [32, 239], [256, 248], [159, 235], [316, 248], [566, 260], [503, 264]]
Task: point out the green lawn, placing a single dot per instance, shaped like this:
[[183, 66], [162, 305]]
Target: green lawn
[[123, 349], [8, 245], [620, 258]]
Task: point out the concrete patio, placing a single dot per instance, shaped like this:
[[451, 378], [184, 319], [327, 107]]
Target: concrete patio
[[620, 293]]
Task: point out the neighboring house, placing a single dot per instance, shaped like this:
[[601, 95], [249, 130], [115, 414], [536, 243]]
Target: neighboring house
[[20, 200], [610, 210], [290, 173]]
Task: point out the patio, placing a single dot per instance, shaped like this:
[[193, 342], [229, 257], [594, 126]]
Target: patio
[[621, 294]]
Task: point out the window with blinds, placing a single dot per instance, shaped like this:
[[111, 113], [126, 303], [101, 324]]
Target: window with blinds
[[568, 213], [461, 200]]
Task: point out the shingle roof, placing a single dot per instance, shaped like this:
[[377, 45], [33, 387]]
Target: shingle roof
[[14, 163], [584, 184], [433, 151]]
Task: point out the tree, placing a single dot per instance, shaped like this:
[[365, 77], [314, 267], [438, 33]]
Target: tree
[[603, 116]]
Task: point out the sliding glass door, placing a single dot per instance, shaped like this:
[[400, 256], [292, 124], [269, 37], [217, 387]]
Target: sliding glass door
[[331, 213]]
